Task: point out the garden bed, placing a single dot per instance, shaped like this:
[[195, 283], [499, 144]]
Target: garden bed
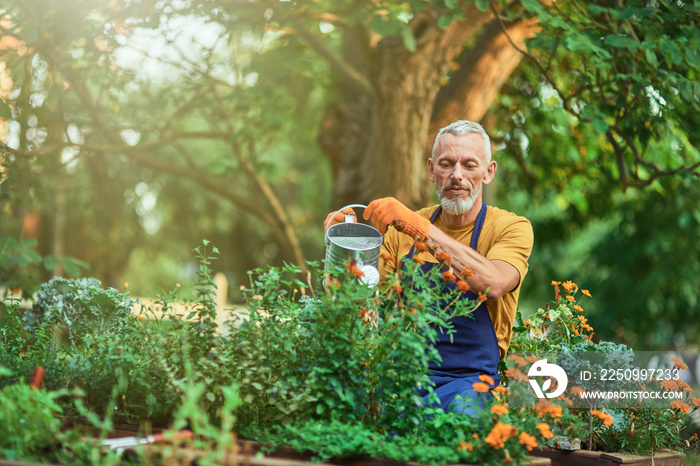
[[597, 458]]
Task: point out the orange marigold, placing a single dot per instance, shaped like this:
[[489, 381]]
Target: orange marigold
[[449, 276], [679, 364], [544, 407], [680, 406], [517, 359], [504, 391], [570, 286], [467, 446], [482, 297], [570, 298], [463, 286], [528, 440], [421, 246], [669, 385], [418, 259], [555, 283], [444, 257], [605, 417], [578, 308], [397, 287], [487, 379], [586, 293], [544, 430], [467, 273], [480, 387], [386, 257], [695, 401], [499, 409], [582, 319], [499, 434]]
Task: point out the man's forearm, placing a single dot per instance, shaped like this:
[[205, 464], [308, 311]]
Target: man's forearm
[[480, 273]]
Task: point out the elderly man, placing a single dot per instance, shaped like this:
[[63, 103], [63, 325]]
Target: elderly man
[[489, 249]]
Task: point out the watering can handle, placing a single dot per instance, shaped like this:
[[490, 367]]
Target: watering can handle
[[340, 210]]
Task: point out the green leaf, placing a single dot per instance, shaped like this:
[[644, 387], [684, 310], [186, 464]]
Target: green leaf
[[408, 40], [50, 263], [651, 58], [621, 41], [599, 125], [445, 20], [482, 5], [5, 110]]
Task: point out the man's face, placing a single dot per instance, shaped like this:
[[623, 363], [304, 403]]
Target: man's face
[[458, 170]]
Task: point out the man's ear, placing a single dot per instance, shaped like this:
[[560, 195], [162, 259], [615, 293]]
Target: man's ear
[[430, 169], [490, 172]]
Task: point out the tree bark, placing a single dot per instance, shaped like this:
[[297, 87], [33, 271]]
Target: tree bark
[[378, 145]]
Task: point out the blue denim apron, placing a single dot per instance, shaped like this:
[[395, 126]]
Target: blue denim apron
[[473, 351]]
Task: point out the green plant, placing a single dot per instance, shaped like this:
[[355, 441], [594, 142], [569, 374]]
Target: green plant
[[561, 332], [79, 306]]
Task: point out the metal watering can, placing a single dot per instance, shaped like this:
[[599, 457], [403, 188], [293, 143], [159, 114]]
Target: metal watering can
[[351, 240]]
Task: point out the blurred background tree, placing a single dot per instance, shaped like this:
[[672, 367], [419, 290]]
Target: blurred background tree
[[134, 129]]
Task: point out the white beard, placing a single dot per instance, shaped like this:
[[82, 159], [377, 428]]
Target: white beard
[[457, 206]]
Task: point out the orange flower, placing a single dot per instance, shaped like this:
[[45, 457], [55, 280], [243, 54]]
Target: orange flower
[[467, 273], [482, 297], [504, 391], [532, 359], [487, 379], [578, 308], [544, 430], [141, 316], [528, 440], [517, 359], [545, 407], [499, 409], [463, 286], [555, 283], [386, 257], [587, 327], [679, 364], [333, 284], [419, 260], [356, 272], [449, 276], [421, 246], [570, 298], [605, 417], [412, 311], [364, 314], [444, 257], [582, 319], [570, 286], [466, 446], [695, 401], [480, 387], [679, 405], [526, 323], [397, 287], [516, 374], [684, 386], [499, 434], [586, 293], [669, 385], [577, 391]]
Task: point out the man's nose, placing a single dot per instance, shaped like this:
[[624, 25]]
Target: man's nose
[[457, 172]]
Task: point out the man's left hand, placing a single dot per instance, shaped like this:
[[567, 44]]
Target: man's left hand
[[389, 211]]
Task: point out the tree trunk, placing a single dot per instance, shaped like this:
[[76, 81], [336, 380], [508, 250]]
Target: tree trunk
[[378, 142]]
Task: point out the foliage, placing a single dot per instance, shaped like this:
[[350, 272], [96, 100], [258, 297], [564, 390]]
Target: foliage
[[28, 422], [80, 306], [348, 352], [561, 331], [19, 262]]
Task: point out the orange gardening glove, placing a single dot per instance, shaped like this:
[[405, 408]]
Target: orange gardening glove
[[388, 211], [339, 217]]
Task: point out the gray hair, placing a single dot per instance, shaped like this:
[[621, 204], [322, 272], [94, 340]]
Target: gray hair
[[462, 128]]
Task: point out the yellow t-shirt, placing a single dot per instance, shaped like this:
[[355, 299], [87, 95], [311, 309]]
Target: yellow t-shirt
[[504, 236]]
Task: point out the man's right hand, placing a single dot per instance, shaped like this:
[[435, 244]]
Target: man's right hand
[[338, 217]]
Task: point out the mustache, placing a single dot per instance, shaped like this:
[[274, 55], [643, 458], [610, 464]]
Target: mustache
[[453, 186]]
